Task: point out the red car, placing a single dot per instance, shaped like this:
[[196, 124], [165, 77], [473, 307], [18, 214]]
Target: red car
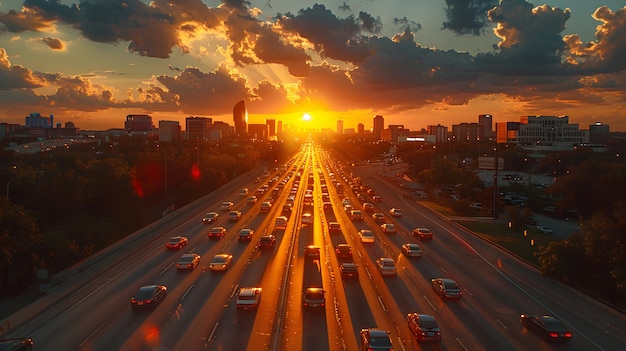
[[176, 242]]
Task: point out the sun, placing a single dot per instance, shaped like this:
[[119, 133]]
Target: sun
[[306, 117]]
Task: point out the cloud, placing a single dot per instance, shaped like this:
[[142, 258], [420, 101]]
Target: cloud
[[467, 16], [54, 44], [14, 77]]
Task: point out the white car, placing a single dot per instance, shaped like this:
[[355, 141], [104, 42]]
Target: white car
[[227, 206], [220, 262], [307, 218], [395, 212], [248, 297], [386, 266], [544, 229], [388, 228], [366, 235]]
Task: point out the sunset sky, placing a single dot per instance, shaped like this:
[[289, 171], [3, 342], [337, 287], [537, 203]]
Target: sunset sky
[[416, 62]]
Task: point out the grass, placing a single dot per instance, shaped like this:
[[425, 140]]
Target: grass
[[512, 239]]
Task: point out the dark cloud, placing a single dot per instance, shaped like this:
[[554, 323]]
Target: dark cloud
[[468, 16], [406, 23], [339, 39], [54, 44]]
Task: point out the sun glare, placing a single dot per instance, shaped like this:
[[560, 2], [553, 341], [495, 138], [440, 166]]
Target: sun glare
[[306, 117]]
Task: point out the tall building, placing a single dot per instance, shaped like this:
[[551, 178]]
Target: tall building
[[169, 131], [36, 120], [258, 132], [360, 128], [468, 132], [599, 133], [271, 123], [487, 122], [440, 132], [379, 126], [339, 126], [240, 117], [138, 123], [198, 127]]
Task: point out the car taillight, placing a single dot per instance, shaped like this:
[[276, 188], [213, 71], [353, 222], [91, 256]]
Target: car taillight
[[554, 335], [567, 334]]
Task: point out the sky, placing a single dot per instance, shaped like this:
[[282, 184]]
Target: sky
[[415, 62]]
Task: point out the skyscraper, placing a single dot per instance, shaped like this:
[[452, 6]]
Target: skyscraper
[[379, 126], [240, 117], [487, 122]]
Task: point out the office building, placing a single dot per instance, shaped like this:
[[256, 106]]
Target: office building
[[198, 127], [379, 126], [169, 131], [240, 118], [138, 123]]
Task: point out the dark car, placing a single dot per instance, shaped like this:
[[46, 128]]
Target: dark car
[[422, 233], [349, 270], [343, 251], [424, 327], [446, 288], [16, 344], [176, 242], [313, 297], [267, 241], [217, 232], [148, 296], [312, 252], [374, 339], [245, 234], [547, 327]]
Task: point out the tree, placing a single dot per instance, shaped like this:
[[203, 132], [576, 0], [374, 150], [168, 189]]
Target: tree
[[18, 233]]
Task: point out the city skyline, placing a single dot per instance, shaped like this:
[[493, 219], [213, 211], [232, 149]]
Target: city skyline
[[413, 63]]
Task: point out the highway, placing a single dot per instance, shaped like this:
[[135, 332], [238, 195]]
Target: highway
[[92, 310]]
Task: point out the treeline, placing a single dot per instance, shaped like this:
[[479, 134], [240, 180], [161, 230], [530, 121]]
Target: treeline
[[63, 205]]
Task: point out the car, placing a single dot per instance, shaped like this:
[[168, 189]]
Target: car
[[424, 327], [210, 217], [447, 288], [17, 344], [280, 222], [422, 233], [287, 208], [548, 327], [243, 192], [386, 266], [349, 270], [327, 205], [307, 218], [346, 201], [388, 228], [148, 296], [245, 234], [312, 252], [544, 229], [188, 261], [248, 297], [395, 212], [334, 227], [348, 208], [374, 339], [366, 236], [220, 262], [377, 198], [356, 215], [412, 250], [234, 216], [177, 242], [368, 207], [344, 251], [227, 206], [378, 217], [217, 232], [266, 206], [313, 297], [252, 200], [267, 241]]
